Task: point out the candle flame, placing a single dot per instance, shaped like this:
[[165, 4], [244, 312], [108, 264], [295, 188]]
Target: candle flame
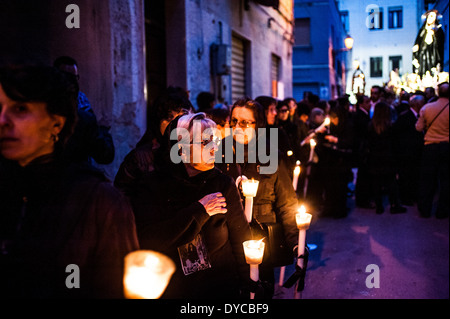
[[302, 209], [297, 163], [327, 121], [312, 142]]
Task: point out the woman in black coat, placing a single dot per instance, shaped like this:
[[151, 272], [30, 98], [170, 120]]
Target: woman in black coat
[[64, 229], [381, 160], [191, 203], [275, 201]]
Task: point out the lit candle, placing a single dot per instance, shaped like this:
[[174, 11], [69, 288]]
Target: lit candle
[[249, 189], [326, 122], [296, 175], [312, 144], [303, 220], [254, 252], [147, 274]]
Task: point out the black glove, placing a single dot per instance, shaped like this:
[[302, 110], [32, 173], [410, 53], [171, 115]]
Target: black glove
[[299, 273]]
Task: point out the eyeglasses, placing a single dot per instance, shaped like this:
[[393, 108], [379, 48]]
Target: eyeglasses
[[215, 140], [284, 110], [242, 123]]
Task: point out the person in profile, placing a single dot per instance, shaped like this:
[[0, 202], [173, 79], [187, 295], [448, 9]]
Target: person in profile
[[428, 49]]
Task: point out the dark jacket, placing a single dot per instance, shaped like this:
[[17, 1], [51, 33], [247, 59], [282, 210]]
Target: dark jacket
[[169, 216], [381, 160], [275, 200], [408, 142], [90, 141], [54, 215]]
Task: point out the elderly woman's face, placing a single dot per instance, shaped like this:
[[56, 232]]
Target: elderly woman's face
[[202, 153], [27, 130], [243, 123]]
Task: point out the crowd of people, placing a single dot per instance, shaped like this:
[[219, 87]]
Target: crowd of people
[[180, 193]]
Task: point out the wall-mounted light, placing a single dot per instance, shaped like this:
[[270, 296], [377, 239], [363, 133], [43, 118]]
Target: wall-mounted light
[[348, 42]]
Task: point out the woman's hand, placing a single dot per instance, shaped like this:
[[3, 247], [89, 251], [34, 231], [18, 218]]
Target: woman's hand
[[331, 139], [214, 204]]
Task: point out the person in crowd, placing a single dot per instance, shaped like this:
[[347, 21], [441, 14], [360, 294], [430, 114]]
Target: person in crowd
[[361, 119], [381, 161], [316, 118], [185, 201], [275, 201], [408, 150], [171, 103], [90, 141], [284, 142], [70, 65], [403, 102], [64, 229], [292, 104], [430, 94], [376, 95], [334, 150], [220, 114], [302, 147], [433, 120], [205, 101]]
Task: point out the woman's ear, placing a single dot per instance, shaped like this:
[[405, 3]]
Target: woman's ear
[[58, 124]]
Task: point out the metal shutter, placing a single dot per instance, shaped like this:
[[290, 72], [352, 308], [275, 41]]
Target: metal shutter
[[237, 68]]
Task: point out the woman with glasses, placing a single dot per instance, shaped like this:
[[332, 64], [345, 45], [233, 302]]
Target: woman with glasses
[[275, 201], [186, 207]]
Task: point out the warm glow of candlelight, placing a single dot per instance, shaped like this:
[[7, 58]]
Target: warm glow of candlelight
[[326, 122], [290, 153], [250, 187], [302, 218], [297, 170], [254, 251], [147, 274], [312, 142]]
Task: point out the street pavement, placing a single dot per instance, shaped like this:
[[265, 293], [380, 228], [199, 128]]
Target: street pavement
[[410, 252]]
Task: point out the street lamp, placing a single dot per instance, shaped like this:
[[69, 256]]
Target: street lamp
[[348, 42]]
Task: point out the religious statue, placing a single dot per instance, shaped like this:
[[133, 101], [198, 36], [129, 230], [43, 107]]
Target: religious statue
[[428, 50]]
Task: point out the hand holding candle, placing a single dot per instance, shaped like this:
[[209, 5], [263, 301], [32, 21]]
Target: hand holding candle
[[303, 220], [254, 252], [147, 274]]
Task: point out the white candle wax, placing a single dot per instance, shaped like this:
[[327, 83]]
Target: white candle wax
[[312, 144], [248, 210], [296, 175], [147, 274]]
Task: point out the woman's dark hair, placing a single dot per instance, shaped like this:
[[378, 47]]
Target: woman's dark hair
[[219, 115], [255, 107], [381, 119], [43, 84], [266, 101]]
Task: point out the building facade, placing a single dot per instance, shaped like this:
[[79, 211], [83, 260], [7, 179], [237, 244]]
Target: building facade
[[129, 51], [385, 31], [320, 62]]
